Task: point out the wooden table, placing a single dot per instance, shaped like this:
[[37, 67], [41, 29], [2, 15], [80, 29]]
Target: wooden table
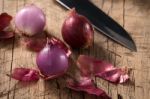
[[133, 15]]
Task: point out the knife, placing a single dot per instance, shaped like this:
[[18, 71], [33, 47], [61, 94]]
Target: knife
[[101, 21]]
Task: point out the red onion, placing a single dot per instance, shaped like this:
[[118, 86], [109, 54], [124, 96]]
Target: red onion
[[52, 61], [30, 20], [77, 31]]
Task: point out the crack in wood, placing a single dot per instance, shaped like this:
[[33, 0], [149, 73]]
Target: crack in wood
[[2, 94], [11, 64], [102, 3], [3, 6], [58, 87], [13, 47], [14, 91], [119, 96], [124, 13]]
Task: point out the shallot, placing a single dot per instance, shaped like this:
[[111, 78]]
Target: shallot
[[30, 20], [52, 60]]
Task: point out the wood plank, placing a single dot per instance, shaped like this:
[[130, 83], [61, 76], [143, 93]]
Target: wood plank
[[115, 7], [137, 14], [6, 54], [101, 44], [133, 15]]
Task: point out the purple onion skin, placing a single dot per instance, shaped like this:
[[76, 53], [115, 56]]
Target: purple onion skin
[[77, 31], [30, 20], [52, 61]]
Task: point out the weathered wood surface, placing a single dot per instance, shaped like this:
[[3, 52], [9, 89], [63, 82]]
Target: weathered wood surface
[[133, 15]]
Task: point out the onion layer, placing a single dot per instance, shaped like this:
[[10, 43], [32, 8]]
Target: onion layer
[[87, 85], [25, 74], [92, 66], [30, 20], [5, 20], [34, 43]]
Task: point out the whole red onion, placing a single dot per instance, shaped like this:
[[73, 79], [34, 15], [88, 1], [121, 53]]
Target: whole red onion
[[77, 31], [30, 20], [52, 61]]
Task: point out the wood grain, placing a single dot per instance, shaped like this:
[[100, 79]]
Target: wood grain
[[133, 15]]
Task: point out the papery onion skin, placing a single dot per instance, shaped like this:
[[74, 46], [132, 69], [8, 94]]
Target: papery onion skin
[[25, 74], [61, 45], [6, 35], [86, 85], [5, 20], [77, 31], [90, 66], [5, 31], [34, 43], [30, 20], [52, 61]]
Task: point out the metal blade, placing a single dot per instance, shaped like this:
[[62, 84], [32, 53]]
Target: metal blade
[[101, 21]]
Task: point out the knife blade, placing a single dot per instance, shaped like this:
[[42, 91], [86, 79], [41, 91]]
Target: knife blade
[[101, 21]]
